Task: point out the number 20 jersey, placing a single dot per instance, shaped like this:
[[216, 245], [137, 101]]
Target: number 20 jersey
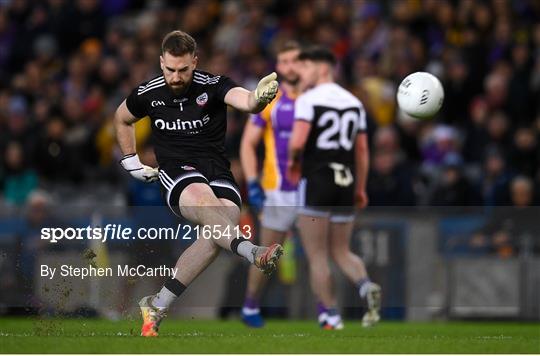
[[336, 118]]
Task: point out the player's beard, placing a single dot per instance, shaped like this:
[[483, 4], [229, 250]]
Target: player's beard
[[178, 88], [293, 82], [291, 79]]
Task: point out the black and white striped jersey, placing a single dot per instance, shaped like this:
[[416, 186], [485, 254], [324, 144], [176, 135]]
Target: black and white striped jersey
[[189, 125], [336, 117]]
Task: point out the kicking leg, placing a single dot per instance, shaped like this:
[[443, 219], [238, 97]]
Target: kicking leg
[[198, 204]]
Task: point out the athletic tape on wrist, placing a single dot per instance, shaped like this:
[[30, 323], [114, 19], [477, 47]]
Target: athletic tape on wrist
[[131, 162]]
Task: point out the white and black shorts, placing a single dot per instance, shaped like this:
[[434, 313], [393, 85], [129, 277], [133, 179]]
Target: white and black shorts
[[175, 176], [328, 192], [280, 208]]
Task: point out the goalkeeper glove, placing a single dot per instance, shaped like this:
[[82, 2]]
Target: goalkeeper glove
[[255, 195], [133, 165], [266, 89]]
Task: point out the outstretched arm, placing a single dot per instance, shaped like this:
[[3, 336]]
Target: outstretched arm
[[253, 101]]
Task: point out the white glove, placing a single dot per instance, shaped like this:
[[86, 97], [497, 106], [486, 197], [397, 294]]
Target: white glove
[[267, 89], [133, 165]]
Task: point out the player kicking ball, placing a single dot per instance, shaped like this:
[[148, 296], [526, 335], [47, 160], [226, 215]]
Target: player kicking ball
[[273, 125], [187, 108], [328, 150]]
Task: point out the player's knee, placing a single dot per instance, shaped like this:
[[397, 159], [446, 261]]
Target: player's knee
[[198, 195], [206, 201]]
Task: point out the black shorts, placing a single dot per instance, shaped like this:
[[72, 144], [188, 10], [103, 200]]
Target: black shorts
[[328, 192], [175, 176]]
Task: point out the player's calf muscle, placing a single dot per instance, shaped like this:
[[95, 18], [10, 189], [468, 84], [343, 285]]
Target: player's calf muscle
[[231, 210]]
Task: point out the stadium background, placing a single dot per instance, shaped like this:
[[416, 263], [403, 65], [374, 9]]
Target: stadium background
[[451, 229]]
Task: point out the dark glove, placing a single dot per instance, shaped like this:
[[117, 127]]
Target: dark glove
[[255, 195]]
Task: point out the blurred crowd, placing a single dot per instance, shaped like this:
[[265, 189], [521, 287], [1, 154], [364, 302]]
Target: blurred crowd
[[66, 65]]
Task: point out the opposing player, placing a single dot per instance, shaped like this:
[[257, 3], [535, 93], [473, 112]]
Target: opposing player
[[187, 109], [328, 150], [273, 190]]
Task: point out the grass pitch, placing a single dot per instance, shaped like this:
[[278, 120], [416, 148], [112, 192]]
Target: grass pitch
[[26, 335]]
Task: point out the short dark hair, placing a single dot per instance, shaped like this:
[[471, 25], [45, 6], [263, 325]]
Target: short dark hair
[[287, 46], [317, 54], [178, 43]]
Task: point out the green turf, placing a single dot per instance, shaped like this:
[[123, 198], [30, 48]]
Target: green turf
[[183, 336]]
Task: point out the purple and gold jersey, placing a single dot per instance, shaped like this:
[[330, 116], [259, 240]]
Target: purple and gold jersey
[[277, 121]]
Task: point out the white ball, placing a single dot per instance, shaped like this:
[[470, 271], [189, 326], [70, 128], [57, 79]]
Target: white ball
[[420, 95]]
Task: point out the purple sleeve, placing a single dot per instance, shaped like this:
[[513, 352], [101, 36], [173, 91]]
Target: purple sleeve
[[258, 120]]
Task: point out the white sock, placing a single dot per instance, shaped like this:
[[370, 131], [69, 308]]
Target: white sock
[[244, 249], [163, 299], [363, 287], [250, 311]]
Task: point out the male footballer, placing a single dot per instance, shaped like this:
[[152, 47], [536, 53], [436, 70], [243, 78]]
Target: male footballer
[[328, 150], [273, 192], [187, 108]]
